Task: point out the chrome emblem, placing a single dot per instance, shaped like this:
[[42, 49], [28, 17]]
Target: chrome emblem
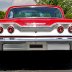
[[35, 24]]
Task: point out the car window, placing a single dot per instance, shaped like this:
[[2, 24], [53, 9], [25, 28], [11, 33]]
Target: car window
[[35, 12]]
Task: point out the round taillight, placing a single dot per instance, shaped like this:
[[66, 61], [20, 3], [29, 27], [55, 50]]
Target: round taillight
[[10, 29], [60, 29], [1, 29], [70, 29]]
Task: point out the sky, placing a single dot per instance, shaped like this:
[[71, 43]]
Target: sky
[[4, 4]]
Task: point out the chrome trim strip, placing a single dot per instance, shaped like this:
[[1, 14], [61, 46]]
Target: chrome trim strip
[[36, 28], [34, 39]]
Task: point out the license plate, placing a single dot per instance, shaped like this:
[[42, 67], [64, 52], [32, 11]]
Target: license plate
[[36, 46]]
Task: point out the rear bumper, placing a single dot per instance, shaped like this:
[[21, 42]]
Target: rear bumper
[[59, 42], [35, 38]]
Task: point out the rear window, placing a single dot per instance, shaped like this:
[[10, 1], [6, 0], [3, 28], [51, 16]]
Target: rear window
[[35, 12]]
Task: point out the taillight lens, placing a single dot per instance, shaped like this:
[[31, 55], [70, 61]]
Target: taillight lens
[[1, 29], [60, 29], [10, 29], [70, 29]]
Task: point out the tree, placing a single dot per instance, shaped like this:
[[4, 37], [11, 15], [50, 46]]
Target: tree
[[52, 2], [67, 7], [2, 14], [65, 4]]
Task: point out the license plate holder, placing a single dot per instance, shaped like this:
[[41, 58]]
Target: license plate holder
[[36, 45]]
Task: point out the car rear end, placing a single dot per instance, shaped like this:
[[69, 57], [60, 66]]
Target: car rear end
[[35, 28], [37, 47], [41, 32], [35, 36]]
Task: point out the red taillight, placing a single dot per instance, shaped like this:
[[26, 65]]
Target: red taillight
[[60, 29], [1, 29], [10, 29], [70, 29]]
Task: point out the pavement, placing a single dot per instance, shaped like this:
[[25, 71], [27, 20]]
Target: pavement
[[39, 71]]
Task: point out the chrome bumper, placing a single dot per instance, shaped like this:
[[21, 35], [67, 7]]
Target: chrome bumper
[[65, 43], [33, 38]]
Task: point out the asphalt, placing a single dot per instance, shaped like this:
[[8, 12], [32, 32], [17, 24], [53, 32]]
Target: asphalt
[[39, 71]]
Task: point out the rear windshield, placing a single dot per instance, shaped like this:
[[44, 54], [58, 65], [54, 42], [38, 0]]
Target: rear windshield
[[35, 12]]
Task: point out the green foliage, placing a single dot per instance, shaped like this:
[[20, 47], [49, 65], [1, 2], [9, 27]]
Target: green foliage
[[2, 14], [65, 4]]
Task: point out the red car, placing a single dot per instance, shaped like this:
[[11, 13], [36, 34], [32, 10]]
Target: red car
[[35, 27]]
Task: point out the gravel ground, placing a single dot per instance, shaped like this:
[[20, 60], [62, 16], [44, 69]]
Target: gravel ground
[[40, 71]]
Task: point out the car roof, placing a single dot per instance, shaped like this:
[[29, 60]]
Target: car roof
[[37, 5]]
